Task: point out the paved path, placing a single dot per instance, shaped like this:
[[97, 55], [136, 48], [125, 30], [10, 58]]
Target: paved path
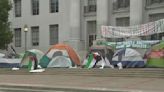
[[85, 82]]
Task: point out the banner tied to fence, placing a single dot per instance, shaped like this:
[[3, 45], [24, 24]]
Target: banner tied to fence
[[133, 31]]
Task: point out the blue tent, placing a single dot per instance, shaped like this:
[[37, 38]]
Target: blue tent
[[129, 58]]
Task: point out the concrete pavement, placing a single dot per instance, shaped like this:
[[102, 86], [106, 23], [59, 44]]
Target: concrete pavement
[[84, 82]]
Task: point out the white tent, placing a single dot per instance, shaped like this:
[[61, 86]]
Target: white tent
[[130, 55], [60, 61], [131, 58]]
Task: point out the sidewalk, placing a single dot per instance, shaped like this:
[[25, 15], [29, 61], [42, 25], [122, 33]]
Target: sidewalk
[[85, 82]]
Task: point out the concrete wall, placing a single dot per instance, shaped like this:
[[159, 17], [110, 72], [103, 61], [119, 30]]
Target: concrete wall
[[43, 20]]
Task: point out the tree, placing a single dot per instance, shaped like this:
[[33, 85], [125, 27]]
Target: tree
[[5, 33]]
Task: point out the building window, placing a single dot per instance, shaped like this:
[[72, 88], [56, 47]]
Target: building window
[[91, 7], [91, 2], [122, 21], [54, 6], [17, 37], [35, 36], [91, 39], [155, 17], [121, 4], [35, 7], [54, 34], [91, 32], [17, 8], [150, 2], [156, 1]]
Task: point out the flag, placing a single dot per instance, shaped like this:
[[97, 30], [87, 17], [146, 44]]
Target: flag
[[89, 61]]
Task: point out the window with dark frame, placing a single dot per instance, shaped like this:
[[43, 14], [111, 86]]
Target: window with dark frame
[[54, 34], [17, 32], [121, 4], [155, 17], [156, 1], [151, 2], [91, 39], [35, 35], [123, 21], [91, 2], [54, 6], [17, 8], [35, 7]]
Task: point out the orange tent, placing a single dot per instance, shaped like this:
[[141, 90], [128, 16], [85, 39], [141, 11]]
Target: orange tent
[[72, 54], [60, 55]]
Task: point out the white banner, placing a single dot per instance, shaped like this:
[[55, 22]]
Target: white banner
[[132, 31], [133, 44]]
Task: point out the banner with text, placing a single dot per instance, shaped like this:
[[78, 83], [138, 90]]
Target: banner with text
[[133, 31], [131, 44]]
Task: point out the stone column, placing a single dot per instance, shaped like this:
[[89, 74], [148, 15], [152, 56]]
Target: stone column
[[75, 24], [136, 12], [102, 15]]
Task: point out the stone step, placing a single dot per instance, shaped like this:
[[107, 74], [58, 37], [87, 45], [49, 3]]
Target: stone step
[[107, 72]]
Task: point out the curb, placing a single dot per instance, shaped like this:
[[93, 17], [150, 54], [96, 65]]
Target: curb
[[63, 89]]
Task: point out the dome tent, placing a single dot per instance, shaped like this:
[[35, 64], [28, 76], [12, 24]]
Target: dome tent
[[36, 54], [60, 55], [9, 62], [155, 56], [99, 55], [130, 58]]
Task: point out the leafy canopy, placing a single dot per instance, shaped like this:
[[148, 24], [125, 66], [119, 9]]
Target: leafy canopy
[[5, 33]]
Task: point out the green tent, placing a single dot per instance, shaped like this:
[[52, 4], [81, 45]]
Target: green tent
[[156, 56], [21, 54], [158, 46], [37, 54]]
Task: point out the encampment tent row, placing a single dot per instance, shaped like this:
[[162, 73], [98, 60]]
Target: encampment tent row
[[64, 56]]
